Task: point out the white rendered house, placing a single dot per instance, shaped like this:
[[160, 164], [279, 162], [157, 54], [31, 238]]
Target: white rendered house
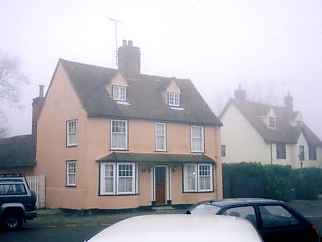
[[256, 132]]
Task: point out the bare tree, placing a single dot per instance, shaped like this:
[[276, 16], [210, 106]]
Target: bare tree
[[11, 80]]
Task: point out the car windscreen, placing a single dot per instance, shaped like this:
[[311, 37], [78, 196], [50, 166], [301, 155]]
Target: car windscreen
[[205, 208]]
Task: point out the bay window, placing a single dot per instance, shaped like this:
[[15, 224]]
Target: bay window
[[118, 178], [197, 178]]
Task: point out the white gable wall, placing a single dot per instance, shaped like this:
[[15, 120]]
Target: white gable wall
[[307, 162], [243, 142]]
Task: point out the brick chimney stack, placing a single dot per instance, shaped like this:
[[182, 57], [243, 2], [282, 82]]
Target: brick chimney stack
[[240, 94], [129, 59], [36, 107]]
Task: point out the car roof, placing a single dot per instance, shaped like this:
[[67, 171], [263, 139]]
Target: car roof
[[242, 201], [179, 228]]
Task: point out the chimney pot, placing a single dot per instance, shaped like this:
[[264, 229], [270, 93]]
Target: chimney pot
[[41, 90], [124, 43], [240, 94], [129, 59]]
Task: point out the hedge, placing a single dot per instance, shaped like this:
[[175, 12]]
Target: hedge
[[271, 181]]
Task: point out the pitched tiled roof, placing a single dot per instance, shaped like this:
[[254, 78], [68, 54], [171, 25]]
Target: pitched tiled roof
[[17, 152], [144, 96], [284, 132], [156, 157]]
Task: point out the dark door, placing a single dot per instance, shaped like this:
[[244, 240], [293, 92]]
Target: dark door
[[160, 181], [280, 225]]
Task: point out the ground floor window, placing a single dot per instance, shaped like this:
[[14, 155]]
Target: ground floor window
[[197, 178], [118, 178], [71, 173]]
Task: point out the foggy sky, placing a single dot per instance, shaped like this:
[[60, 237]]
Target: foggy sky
[[270, 47]]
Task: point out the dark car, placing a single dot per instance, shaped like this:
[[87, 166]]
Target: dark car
[[274, 220], [17, 201]]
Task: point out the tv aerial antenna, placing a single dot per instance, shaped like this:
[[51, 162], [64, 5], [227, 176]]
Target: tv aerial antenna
[[116, 22]]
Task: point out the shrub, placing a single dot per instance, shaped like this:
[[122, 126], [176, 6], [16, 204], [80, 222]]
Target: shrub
[[271, 181]]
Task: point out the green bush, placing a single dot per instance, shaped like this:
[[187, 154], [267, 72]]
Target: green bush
[[271, 181]]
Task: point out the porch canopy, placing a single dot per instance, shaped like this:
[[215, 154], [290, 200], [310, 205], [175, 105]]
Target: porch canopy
[[156, 158]]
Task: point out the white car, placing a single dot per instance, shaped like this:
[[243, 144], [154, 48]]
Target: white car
[[179, 228]]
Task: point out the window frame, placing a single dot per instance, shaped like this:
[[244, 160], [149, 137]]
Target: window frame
[[272, 122], [126, 135], [67, 131], [301, 153], [281, 154], [68, 173], [202, 145], [313, 155], [173, 99], [197, 179], [164, 136], [223, 150], [276, 205], [116, 192], [117, 94]]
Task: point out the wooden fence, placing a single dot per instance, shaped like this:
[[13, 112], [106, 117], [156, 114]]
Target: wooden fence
[[38, 185]]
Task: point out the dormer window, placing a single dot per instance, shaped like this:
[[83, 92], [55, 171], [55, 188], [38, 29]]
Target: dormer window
[[272, 122], [119, 93], [174, 99]]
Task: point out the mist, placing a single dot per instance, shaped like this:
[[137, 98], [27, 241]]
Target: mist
[[269, 47]]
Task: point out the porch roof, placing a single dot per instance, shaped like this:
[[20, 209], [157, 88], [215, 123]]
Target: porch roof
[[156, 158]]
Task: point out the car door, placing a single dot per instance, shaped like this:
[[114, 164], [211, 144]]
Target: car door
[[246, 211], [278, 224]]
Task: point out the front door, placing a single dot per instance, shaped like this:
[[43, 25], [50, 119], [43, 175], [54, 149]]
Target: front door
[[160, 185]]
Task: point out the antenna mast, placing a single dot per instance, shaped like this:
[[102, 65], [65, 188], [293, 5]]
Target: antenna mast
[[116, 22]]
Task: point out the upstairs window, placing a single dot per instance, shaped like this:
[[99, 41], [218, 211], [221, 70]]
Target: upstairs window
[[281, 151], [71, 132], [272, 122], [119, 134], [119, 93], [160, 137], [197, 139], [301, 153], [174, 99], [312, 152]]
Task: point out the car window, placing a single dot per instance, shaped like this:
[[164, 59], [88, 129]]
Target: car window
[[205, 209], [246, 212], [276, 216], [12, 189]]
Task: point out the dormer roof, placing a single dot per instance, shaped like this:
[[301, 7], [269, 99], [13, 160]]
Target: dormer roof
[[144, 93]]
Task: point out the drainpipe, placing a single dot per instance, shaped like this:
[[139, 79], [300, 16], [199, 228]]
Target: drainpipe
[[271, 154]]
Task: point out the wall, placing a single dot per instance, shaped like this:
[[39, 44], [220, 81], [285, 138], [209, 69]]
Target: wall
[[306, 162], [62, 104], [243, 143]]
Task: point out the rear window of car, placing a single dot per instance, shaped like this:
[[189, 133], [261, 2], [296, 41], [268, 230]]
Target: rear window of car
[[276, 216], [12, 189], [205, 209]]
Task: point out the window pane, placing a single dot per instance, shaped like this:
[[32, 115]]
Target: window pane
[[71, 132], [126, 178], [276, 216], [205, 209], [197, 139], [247, 212], [119, 134], [108, 177], [190, 177], [160, 130], [204, 177]]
